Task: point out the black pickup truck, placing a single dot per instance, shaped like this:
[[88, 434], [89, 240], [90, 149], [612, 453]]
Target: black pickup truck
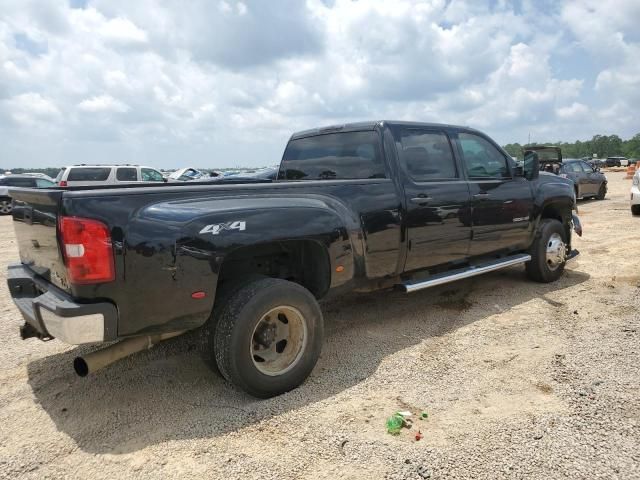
[[354, 207]]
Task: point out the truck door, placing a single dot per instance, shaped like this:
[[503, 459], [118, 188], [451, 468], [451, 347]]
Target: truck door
[[502, 205], [437, 199]]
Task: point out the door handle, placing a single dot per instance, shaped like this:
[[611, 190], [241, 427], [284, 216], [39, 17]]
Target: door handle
[[482, 196], [421, 200]]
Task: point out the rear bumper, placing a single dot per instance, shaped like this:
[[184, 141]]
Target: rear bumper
[[51, 313]]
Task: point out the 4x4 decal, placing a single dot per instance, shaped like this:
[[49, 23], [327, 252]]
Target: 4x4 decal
[[216, 228]]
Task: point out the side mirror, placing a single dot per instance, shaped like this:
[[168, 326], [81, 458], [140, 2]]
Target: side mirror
[[531, 166]]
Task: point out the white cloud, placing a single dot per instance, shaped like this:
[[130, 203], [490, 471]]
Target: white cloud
[[226, 82], [102, 103]]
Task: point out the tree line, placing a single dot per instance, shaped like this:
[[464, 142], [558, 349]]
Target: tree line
[[602, 146]]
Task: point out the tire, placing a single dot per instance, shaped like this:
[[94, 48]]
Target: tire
[[263, 309], [5, 206], [635, 209], [602, 192], [543, 268]]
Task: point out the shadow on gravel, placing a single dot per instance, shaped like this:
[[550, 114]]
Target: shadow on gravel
[[167, 393]]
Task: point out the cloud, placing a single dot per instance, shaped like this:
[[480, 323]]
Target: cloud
[[226, 82], [102, 103]]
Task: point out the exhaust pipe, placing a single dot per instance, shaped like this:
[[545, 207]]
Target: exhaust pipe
[[94, 361]]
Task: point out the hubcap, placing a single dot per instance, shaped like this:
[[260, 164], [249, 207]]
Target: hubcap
[[5, 206], [279, 340], [556, 251]]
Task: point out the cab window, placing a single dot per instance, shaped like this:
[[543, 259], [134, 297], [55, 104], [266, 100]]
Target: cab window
[[482, 159]]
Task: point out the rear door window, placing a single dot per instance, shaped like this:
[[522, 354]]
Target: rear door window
[[127, 174], [88, 174], [334, 156], [427, 155]]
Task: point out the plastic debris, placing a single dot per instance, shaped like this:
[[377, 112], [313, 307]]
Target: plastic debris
[[395, 423], [424, 416], [419, 436], [404, 413]]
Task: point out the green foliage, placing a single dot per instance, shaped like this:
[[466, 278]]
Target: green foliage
[[602, 145]]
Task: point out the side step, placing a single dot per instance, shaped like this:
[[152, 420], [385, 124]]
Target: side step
[[453, 275]]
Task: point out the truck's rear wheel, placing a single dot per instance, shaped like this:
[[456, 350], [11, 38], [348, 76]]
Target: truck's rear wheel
[[268, 336], [548, 252]]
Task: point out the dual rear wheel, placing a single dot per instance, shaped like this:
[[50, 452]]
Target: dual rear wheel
[[267, 336]]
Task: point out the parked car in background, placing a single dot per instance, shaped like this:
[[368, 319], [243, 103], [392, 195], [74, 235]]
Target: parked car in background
[[39, 175], [635, 194], [617, 161], [22, 180], [191, 174], [88, 175], [595, 162], [588, 180], [270, 173]]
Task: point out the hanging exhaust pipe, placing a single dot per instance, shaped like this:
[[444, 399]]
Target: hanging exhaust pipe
[[94, 361]]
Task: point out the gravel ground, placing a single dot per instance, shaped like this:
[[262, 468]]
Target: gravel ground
[[520, 380]]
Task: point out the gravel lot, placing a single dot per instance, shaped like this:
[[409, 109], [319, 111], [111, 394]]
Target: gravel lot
[[520, 380]]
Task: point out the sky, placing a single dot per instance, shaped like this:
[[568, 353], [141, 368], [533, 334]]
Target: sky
[[214, 84]]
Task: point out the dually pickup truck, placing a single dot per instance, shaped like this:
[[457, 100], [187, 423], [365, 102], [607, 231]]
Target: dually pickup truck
[[354, 208]]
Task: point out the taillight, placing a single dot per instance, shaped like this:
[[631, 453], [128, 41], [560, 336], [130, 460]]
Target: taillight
[[87, 249], [62, 183]]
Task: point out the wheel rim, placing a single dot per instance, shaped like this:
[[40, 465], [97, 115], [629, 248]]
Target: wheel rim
[[278, 340], [5, 206], [556, 251]]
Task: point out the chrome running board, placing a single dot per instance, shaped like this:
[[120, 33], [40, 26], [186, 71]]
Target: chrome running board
[[459, 274]]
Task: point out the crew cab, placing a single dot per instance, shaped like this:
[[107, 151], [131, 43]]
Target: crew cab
[[361, 206]]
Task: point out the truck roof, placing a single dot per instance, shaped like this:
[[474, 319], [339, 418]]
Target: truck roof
[[369, 125]]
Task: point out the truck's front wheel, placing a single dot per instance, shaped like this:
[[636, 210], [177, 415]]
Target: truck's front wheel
[[268, 336], [548, 252]]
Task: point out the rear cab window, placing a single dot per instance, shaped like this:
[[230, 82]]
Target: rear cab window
[[427, 155], [333, 156], [88, 174]]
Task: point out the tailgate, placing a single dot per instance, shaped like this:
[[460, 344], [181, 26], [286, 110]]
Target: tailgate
[[35, 216]]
